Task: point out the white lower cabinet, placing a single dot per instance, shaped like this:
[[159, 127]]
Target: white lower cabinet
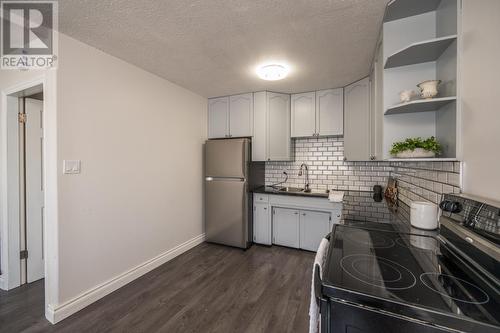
[[296, 222], [286, 227], [313, 227], [262, 223]]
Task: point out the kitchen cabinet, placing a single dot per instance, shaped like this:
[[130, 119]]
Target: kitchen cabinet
[[298, 222], [241, 115], [357, 136], [313, 227], [303, 113], [218, 117], [286, 227], [230, 116], [330, 112], [319, 113], [271, 137], [262, 224]]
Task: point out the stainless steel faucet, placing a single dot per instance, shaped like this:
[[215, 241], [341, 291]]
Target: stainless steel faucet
[[303, 166]]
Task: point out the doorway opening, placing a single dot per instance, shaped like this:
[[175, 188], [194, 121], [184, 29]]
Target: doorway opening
[[23, 257]]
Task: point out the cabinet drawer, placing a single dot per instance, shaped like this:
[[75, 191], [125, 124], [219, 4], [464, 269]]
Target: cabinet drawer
[[257, 197]]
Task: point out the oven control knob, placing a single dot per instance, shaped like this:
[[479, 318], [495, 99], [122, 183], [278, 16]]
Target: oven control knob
[[451, 206]]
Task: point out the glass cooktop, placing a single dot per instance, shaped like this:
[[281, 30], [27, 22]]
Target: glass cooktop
[[409, 269]]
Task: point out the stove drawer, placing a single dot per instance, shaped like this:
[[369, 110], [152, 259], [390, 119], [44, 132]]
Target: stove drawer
[[350, 318]]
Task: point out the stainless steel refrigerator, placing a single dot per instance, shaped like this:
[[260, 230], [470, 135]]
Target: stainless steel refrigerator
[[229, 178]]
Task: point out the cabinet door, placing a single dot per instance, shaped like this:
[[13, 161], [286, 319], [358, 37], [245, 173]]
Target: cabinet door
[[218, 117], [262, 224], [286, 227], [313, 227], [357, 121], [330, 112], [241, 115], [278, 130], [377, 106], [259, 139], [303, 108]]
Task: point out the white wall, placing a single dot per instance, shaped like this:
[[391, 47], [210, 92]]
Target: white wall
[[140, 139], [480, 96]]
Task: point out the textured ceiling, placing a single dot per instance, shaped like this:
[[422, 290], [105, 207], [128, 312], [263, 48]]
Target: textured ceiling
[[212, 46]]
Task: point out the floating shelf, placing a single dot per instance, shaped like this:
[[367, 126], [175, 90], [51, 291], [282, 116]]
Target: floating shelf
[[417, 53], [398, 9], [432, 159], [420, 105]]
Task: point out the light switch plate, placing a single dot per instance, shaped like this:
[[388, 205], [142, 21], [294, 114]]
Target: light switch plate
[[71, 166]]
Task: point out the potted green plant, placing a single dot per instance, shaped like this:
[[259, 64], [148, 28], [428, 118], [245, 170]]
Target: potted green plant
[[416, 148]]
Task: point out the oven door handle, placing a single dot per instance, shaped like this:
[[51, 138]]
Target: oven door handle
[[317, 284]]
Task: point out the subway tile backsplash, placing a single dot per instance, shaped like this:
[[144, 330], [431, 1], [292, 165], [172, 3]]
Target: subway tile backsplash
[[328, 170]]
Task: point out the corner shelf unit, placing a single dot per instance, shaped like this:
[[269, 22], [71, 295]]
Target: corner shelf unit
[[420, 105], [398, 9], [417, 53], [420, 41]]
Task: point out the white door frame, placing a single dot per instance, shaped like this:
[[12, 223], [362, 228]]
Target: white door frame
[[49, 82]]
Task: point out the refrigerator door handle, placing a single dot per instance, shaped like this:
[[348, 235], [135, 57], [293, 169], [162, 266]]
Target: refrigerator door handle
[[232, 179]]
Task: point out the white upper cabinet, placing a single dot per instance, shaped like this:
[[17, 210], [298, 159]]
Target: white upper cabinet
[[271, 134], [279, 126], [319, 113], [218, 117], [357, 137], [303, 108], [330, 112], [230, 116], [241, 115]]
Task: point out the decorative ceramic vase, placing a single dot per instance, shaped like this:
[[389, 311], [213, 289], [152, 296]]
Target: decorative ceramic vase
[[428, 89], [406, 95], [416, 153]]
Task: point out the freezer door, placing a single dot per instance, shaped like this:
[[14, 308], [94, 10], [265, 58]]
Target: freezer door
[[226, 212], [226, 158]]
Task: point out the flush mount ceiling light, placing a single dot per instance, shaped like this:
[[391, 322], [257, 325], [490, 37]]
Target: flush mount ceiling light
[[272, 72]]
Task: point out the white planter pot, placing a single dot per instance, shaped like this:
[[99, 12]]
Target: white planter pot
[[428, 89], [417, 153]]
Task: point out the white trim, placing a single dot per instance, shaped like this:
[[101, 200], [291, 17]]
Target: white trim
[[56, 314], [49, 82], [9, 228], [2, 283], [9, 224]]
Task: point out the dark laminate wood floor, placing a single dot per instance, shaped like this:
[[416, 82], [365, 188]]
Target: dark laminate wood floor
[[210, 288]]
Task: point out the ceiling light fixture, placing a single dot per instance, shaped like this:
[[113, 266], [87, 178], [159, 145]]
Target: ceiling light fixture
[[272, 72]]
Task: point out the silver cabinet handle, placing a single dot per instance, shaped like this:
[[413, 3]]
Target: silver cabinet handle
[[469, 240]]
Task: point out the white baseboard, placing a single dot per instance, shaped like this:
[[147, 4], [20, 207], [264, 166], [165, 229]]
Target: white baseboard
[[62, 311]]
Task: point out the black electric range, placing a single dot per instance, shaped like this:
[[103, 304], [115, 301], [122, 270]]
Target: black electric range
[[378, 278]]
